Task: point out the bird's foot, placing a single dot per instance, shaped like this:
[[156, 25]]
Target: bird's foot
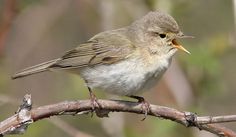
[[94, 101], [144, 104]]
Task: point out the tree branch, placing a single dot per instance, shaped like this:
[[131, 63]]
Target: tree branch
[[19, 122]]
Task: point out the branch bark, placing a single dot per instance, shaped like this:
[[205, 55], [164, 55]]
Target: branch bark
[[25, 115]]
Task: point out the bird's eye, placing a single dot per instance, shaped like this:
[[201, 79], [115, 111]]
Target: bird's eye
[[162, 35]]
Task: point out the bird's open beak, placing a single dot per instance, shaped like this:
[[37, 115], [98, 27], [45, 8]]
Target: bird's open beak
[[178, 46]]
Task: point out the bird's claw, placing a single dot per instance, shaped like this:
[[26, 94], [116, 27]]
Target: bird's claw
[[144, 105], [145, 108], [94, 101]]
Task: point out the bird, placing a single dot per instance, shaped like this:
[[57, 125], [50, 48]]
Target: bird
[[125, 61]]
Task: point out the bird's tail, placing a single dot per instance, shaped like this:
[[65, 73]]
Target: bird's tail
[[34, 69]]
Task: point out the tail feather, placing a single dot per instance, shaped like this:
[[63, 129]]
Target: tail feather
[[34, 69]]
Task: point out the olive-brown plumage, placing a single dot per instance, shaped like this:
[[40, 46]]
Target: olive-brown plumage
[[124, 61]]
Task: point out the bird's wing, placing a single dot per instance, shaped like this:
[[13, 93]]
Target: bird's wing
[[104, 48]]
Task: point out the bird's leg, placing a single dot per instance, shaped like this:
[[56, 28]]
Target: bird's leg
[[145, 105], [93, 99]]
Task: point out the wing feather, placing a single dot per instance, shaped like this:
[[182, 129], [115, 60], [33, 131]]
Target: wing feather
[[103, 48]]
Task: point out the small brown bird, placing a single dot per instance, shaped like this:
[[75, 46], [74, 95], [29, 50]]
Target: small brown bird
[[124, 61]]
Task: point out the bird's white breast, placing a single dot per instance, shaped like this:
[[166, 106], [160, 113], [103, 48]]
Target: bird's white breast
[[127, 77]]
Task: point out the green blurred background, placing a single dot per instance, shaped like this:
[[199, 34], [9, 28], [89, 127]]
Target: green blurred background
[[34, 31]]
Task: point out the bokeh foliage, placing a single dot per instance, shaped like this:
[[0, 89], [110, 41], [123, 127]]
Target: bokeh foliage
[[45, 29]]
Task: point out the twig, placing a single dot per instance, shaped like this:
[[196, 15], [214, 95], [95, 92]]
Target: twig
[[59, 123], [187, 119], [18, 123]]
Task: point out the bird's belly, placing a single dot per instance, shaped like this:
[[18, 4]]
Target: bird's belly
[[125, 78]]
